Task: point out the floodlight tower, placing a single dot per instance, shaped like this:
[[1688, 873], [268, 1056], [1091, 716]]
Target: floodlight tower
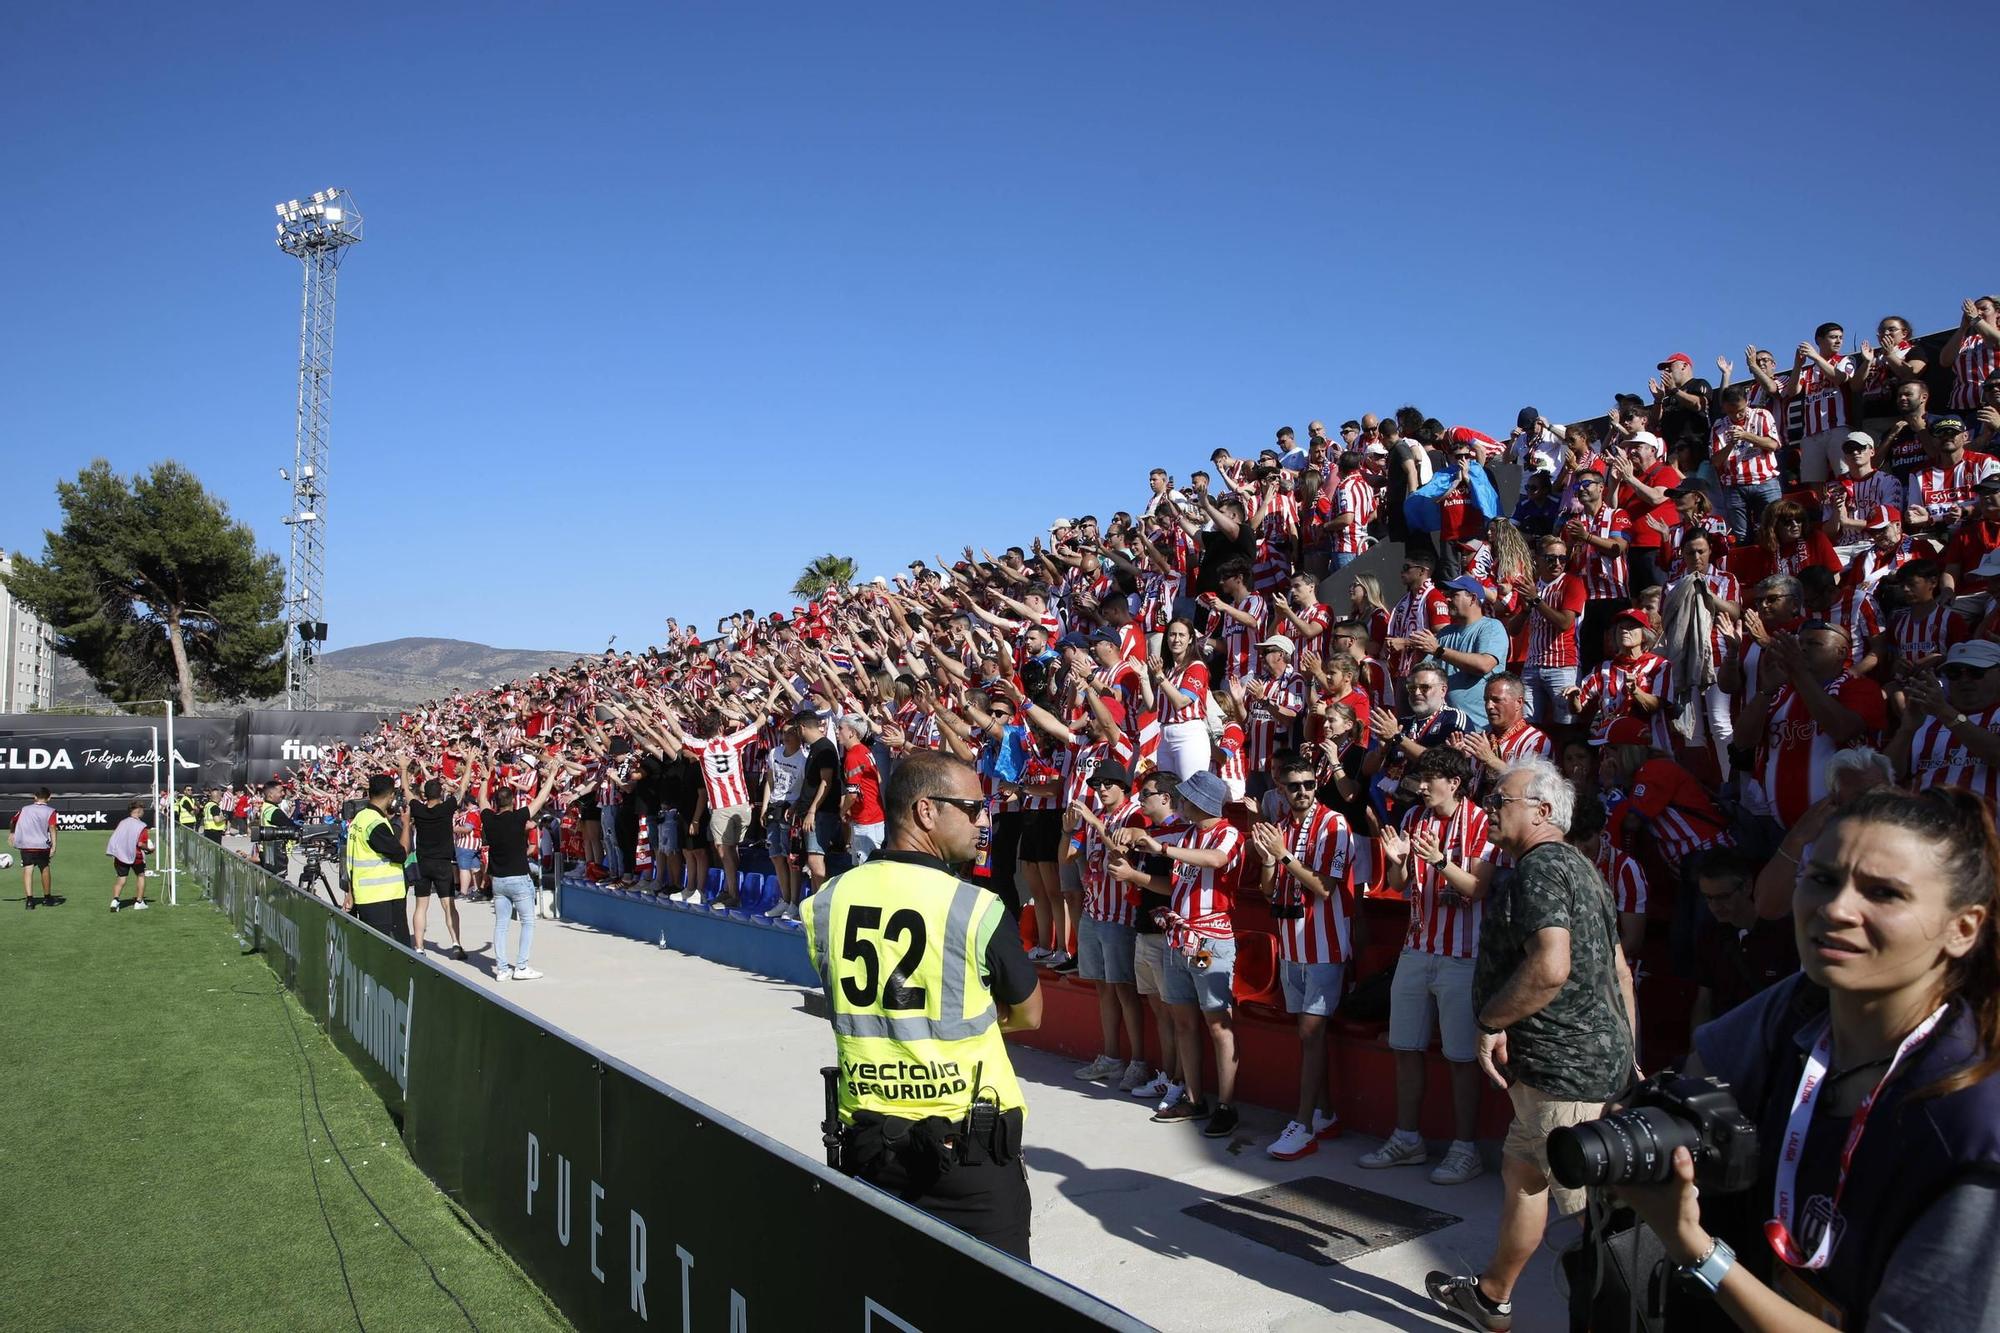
[[316, 232]]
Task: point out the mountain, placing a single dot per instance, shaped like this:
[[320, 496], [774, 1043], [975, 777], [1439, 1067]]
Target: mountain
[[380, 676], [409, 671]]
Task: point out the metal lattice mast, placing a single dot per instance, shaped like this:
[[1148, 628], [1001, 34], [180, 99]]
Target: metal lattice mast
[[316, 232]]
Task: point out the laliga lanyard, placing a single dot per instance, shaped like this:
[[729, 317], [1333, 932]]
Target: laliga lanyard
[[1778, 1230]]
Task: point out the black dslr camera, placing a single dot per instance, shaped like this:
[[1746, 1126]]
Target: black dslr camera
[[1635, 1146]]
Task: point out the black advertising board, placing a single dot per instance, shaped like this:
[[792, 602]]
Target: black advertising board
[[630, 1204], [271, 740]]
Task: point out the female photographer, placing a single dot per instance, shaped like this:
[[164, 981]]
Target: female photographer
[[1872, 1081]]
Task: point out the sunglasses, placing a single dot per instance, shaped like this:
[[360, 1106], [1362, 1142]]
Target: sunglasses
[[1965, 671], [969, 806], [1307, 785]]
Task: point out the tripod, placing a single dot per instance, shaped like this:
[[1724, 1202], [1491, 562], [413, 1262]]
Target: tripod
[[314, 873]]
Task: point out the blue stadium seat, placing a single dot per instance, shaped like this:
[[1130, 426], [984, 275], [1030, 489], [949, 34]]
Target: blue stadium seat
[[757, 892], [711, 888]]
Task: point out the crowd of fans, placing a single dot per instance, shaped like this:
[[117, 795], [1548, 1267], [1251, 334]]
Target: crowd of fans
[[1719, 615]]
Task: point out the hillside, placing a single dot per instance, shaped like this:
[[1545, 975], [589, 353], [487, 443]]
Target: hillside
[[393, 674]]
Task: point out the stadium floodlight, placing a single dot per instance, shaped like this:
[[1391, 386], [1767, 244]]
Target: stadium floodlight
[[316, 234]]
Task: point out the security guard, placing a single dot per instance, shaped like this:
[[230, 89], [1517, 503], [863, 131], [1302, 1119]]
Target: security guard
[[923, 972], [185, 812], [375, 891], [214, 822]]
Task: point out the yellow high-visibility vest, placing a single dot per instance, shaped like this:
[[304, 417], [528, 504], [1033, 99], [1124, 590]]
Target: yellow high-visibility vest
[[373, 878], [899, 948], [213, 818], [184, 809]]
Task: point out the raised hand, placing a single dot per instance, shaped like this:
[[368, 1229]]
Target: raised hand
[[1424, 845], [1723, 365], [1395, 846]]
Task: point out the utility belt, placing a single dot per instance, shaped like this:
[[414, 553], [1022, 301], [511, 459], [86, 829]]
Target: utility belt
[[928, 1148]]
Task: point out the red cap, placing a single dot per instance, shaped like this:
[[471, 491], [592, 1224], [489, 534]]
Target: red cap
[[1629, 731], [1639, 616], [1884, 515], [1681, 357]]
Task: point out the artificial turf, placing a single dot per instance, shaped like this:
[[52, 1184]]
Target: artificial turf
[[158, 1138]]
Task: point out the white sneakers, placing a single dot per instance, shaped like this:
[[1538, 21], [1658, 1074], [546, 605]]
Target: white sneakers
[[1103, 1067], [781, 912], [1154, 1087], [1325, 1126], [1038, 953], [1461, 1163], [1399, 1149], [1297, 1141], [503, 974], [525, 974]]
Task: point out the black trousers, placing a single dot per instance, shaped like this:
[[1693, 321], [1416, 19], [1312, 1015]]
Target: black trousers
[[1004, 858], [986, 1200], [392, 918]]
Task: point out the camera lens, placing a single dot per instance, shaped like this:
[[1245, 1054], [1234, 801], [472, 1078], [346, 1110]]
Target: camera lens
[[1634, 1146]]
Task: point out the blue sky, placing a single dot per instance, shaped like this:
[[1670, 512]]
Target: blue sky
[[658, 302]]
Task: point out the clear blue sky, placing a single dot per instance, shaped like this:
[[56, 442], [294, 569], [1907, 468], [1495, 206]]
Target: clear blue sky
[[658, 301]]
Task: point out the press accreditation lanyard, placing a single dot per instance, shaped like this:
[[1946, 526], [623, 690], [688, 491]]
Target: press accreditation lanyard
[[1778, 1230]]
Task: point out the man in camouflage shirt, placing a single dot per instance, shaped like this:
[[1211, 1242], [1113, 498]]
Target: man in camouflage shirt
[[1554, 1001]]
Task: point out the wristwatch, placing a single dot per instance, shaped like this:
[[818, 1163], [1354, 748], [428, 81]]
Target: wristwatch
[[1713, 1266]]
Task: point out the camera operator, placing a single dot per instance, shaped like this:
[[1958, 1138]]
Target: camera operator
[[1871, 1079], [274, 851], [1555, 1012]]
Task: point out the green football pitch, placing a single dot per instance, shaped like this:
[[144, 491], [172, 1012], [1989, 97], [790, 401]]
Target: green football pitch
[[172, 1135]]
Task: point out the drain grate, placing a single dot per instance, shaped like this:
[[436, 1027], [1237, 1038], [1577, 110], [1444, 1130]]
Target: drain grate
[[1320, 1220]]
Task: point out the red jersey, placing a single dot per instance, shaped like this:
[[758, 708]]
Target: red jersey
[[1822, 398], [1937, 759], [1866, 496], [1854, 610], [1745, 464], [1425, 608], [1441, 922], [1239, 641], [1926, 630], [1227, 759], [1265, 729], [1323, 842], [864, 784], [1610, 684], [1204, 896], [1081, 761], [1106, 897], [1683, 820], [1547, 645], [1945, 493], [1190, 679], [1603, 574], [1277, 529], [1975, 362], [722, 766], [1355, 497], [1797, 752], [1623, 876]]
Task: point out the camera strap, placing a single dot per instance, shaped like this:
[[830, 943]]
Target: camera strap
[[1778, 1230]]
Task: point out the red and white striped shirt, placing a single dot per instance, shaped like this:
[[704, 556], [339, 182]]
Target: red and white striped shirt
[[1190, 679], [1865, 497], [1623, 876], [1263, 727], [1425, 608], [1324, 844], [1375, 680], [722, 767], [1925, 630], [1937, 759], [1603, 574], [1523, 742], [1081, 762], [1609, 685], [1441, 922], [1204, 896], [1871, 566], [1276, 531], [1353, 496], [1854, 610], [1041, 764], [1316, 617], [1745, 464], [1975, 362], [1547, 645], [1239, 641], [1796, 751], [1106, 897], [1227, 757], [465, 829], [1821, 397], [1682, 817], [1945, 493], [1157, 592]]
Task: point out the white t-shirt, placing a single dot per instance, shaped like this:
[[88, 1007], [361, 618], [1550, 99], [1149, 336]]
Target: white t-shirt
[[788, 772]]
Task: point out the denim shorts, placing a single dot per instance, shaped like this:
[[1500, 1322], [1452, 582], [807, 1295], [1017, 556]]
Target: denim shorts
[[667, 833], [1429, 987], [1311, 988], [778, 837], [1104, 951], [1212, 988], [467, 857]]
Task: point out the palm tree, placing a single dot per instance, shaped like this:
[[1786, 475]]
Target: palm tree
[[824, 572]]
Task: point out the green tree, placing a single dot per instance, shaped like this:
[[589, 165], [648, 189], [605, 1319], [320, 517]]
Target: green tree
[[151, 584], [824, 572]]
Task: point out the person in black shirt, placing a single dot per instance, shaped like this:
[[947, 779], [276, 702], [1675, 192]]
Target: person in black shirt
[[817, 803], [437, 868], [504, 827]]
